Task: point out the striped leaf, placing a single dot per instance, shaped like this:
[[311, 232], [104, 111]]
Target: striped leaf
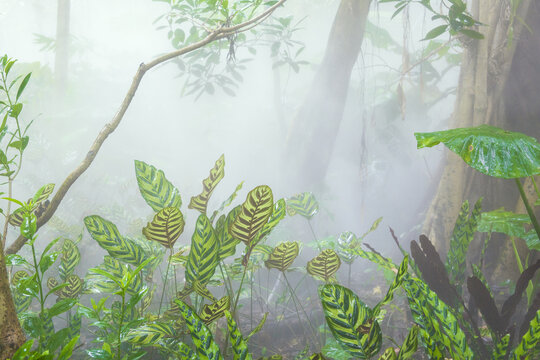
[[375, 258], [214, 311], [16, 218], [350, 321], [96, 283], [402, 271], [109, 238], [410, 344], [227, 202], [150, 333], [74, 324], [303, 204], [254, 214], [42, 194], [18, 276], [388, 354], [317, 356], [203, 256], [166, 227], [227, 242], [202, 290], [155, 189], [207, 349], [239, 345], [69, 259], [72, 289], [278, 213], [347, 240], [529, 340], [324, 265], [282, 256], [500, 350], [22, 301], [200, 202]]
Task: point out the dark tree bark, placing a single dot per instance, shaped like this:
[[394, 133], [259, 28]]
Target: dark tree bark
[[311, 137]]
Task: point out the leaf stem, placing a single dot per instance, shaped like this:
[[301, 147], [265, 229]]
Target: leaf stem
[[530, 210]]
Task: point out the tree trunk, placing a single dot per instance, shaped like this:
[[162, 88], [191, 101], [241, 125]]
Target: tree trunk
[[61, 60], [490, 84], [312, 135], [11, 333]]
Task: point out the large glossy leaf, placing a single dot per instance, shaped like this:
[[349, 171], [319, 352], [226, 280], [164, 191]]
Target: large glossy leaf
[[166, 227], [511, 224], [203, 256], [239, 345], [227, 242], [254, 214], [283, 256], [350, 321], [324, 265], [207, 349], [69, 259], [490, 150], [347, 240], [156, 190], [200, 202], [109, 238], [303, 204]]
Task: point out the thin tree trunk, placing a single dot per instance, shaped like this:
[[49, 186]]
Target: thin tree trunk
[[311, 137], [61, 61]]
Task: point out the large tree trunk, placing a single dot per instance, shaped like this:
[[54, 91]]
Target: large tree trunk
[[491, 82], [312, 136]]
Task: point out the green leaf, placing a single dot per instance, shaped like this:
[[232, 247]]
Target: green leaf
[[23, 85], [259, 326], [215, 310], [388, 354], [402, 271], [490, 150], [200, 202], [61, 307], [20, 144], [151, 333], [28, 225], [350, 321], [16, 110], [278, 213], [303, 204], [69, 259], [529, 340], [239, 345], [42, 194], [472, 34], [227, 242], [283, 256], [500, 350], [433, 33], [505, 222], [166, 227], [156, 190], [203, 256], [67, 350], [324, 265], [410, 344], [254, 214]]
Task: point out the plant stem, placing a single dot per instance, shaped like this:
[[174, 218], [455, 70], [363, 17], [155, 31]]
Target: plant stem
[[535, 186], [238, 293], [314, 236], [530, 210], [165, 283], [123, 310], [349, 276]]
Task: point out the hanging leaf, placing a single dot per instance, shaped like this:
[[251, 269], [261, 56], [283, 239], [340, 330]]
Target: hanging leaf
[[490, 150], [259, 326], [282, 256], [200, 202], [227, 242], [150, 333], [69, 259], [238, 344], [509, 223], [394, 286], [214, 311], [254, 214], [156, 190], [350, 321], [203, 256], [109, 238], [324, 265], [166, 227], [227, 202], [303, 204]]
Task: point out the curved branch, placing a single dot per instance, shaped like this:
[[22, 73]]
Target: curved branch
[[217, 34]]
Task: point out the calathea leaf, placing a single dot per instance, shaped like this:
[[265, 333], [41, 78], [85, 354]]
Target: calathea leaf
[[150, 333], [200, 202], [324, 265], [410, 344], [388, 354], [239, 345], [282, 256], [155, 189], [69, 259], [166, 227], [214, 311], [278, 214], [227, 242], [402, 272], [203, 256], [42, 194], [529, 340], [303, 204], [254, 214]]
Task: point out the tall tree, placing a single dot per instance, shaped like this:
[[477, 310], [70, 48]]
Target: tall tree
[[312, 135], [498, 85]]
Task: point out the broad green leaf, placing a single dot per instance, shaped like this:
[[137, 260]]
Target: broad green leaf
[[20, 144], [303, 204], [166, 227], [282, 256], [472, 34], [227, 242], [156, 190], [433, 33], [200, 202], [203, 255], [490, 150], [505, 222], [151, 333], [347, 240], [69, 259], [324, 265], [254, 214], [350, 321], [61, 307], [239, 345]]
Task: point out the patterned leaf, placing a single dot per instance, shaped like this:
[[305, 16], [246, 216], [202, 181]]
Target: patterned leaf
[[98, 283], [72, 289], [108, 237], [150, 333], [529, 340], [303, 204], [227, 202], [317, 356], [324, 265], [75, 323], [239, 345], [42, 194], [402, 271], [207, 349], [278, 214], [203, 256], [388, 354], [282, 256], [155, 189], [409, 346], [214, 311], [227, 242], [18, 276], [200, 202], [254, 214], [500, 350], [259, 326], [347, 240], [16, 218], [166, 227], [350, 321], [22, 302], [69, 259]]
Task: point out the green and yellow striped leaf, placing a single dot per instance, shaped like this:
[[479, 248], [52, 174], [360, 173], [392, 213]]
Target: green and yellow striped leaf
[[96, 283], [166, 227], [18, 276], [402, 271], [410, 344], [207, 349], [109, 238], [254, 214], [200, 202], [72, 289], [529, 340], [69, 259], [283, 256], [239, 345], [278, 213], [500, 350], [227, 242], [347, 240], [227, 202], [16, 218], [303, 204], [150, 334], [317, 356], [388, 354], [42, 194], [155, 189], [22, 301], [203, 256], [324, 265], [350, 321], [214, 311]]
